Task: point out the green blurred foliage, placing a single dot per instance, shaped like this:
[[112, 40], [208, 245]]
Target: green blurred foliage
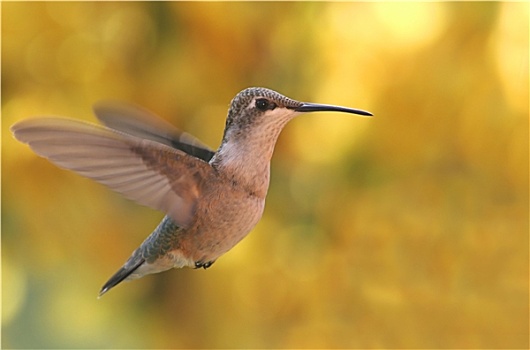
[[407, 230]]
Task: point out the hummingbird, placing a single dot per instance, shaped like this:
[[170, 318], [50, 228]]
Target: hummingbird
[[212, 199]]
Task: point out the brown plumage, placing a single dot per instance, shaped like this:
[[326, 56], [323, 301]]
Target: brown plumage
[[212, 199]]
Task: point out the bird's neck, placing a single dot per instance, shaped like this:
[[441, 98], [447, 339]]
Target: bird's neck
[[245, 160]]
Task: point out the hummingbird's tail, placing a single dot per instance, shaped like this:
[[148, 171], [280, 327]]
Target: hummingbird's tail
[[124, 272]]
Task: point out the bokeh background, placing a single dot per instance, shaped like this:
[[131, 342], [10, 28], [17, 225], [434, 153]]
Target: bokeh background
[[406, 230]]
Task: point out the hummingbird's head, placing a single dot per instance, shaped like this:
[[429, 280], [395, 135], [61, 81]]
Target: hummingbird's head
[[256, 105], [262, 108], [255, 119]]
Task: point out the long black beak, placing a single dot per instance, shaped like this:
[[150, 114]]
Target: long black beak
[[315, 107]]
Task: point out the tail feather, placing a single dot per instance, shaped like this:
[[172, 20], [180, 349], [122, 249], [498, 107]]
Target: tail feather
[[119, 276]]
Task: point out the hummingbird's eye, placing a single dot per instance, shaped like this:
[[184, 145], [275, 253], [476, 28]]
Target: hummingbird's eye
[[263, 104]]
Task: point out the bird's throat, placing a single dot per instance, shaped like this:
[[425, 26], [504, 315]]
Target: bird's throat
[[246, 163]]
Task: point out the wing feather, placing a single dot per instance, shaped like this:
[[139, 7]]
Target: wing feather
[[141, 123], [143, 170]]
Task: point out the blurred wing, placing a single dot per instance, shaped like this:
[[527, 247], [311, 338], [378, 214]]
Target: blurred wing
[[141, 123], [145, 171]]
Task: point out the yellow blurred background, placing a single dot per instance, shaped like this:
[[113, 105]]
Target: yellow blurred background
[[407, 230]]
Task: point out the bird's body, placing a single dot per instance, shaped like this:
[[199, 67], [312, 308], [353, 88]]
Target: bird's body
[[212, 199]]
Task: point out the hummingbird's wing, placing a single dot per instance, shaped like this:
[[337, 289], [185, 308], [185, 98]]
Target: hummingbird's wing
[[145, 171], [134, 120]]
